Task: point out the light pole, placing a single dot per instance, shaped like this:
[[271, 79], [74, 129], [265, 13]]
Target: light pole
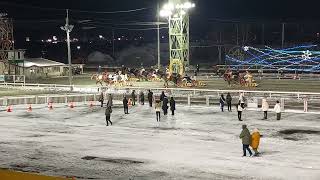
[[158, 34], [68, 28], [177, 13]]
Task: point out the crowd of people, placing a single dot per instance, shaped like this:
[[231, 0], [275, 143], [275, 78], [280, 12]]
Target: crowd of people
[[163, 104]]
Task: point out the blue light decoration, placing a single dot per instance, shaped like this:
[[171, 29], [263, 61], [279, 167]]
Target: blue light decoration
[[298, 58]]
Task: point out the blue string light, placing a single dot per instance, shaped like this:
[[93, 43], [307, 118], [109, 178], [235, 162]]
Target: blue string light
[[298, 58]]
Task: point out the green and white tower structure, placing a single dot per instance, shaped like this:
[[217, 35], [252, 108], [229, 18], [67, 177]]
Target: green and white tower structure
[[177, 12]]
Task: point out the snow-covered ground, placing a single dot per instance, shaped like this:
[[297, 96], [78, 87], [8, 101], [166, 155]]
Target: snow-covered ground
[[197, 143]]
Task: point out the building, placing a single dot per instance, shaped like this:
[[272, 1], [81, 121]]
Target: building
[[34, 68]]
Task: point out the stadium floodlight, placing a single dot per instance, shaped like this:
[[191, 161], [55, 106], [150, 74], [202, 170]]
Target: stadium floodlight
[[178, 18]]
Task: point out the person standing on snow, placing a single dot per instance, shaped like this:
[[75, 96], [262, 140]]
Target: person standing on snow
[[158, 109], [133, 97], [101, 99], [240, 109], [172, 105], [110, 101], [255, 141], [108, 112], [277, 109], [165, 105], [125, 105], [162, 96], [141, 97], [222, 102], [246, 140], [229, 102], [242, 99], [150, 97], [265, 108]]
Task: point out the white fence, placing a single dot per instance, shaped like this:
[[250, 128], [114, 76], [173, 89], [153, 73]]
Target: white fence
[[290, 101]]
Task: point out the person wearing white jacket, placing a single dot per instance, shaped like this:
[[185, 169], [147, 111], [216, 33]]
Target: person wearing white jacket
[[277, 109], [265, 108]]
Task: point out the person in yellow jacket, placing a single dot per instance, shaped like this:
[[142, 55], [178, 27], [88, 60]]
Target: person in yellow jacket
[[255, 140]]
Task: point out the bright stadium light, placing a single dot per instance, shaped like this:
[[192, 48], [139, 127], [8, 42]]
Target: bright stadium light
[[178, 17]]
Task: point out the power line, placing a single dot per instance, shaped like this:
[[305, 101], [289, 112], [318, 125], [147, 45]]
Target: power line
[[74, 10]]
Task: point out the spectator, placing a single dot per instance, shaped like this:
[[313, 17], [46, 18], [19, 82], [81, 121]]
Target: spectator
[[150, 97], [108, 112], [222, 102], [133, 97], [158, 109], [229, 102], [240, 109], [265, 108], [165, 105], [255, 141], [277, 109], [101, 99], [246, 140], [141, 97], [172, 105], [125, 105]]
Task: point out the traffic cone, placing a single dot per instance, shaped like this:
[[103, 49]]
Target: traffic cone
[[9, 108], [130, 102], [50, 106], [91, 104], [29, 108], [71, 105]]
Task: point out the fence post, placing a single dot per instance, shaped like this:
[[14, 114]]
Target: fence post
[[66, 99], [36, 99], [189, 100], [207, 100], [282, 104], [5, 101], [305, 104]]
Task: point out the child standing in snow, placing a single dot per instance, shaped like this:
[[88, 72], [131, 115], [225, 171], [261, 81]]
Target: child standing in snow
[[255, 141]]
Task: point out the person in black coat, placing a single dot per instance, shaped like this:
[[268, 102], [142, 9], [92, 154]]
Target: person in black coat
[[229, 101], [133, 97], [165, 105], [222, 102], [125, 105], [141, 97], [162, 96], [172, 105], [101, 99], [150, 97]]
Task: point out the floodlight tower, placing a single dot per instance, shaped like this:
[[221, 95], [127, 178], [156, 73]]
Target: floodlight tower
[[177, 13], [6, 42]]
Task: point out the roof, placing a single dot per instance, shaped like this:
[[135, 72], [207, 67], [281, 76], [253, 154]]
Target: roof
[[40, 62]]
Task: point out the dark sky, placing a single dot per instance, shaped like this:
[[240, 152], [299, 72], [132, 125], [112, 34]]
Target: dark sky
[[37, 16]]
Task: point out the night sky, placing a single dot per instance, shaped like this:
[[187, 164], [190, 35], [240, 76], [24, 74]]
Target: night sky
[[35, 14], [42, 19]]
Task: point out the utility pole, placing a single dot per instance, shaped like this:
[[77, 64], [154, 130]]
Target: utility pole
[[158, 34], [68, 28], [113, 44], [282, 39]]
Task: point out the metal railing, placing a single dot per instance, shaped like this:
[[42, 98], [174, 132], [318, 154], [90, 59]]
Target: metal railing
[[291, 101]]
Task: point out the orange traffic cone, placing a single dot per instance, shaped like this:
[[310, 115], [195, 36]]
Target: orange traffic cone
[[9, 108], [71, 105], [29, 108], [50, 106], [130, 102], [91, 104]]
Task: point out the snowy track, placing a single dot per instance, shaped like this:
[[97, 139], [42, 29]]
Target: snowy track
[[198, 143]]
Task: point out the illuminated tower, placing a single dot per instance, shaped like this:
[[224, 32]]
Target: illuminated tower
[[6, 42], [178, 17]]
